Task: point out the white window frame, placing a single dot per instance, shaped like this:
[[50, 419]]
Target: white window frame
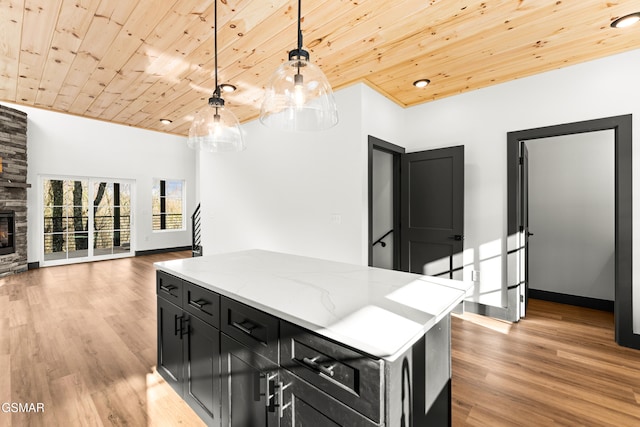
[[90, 194], [183, 226]]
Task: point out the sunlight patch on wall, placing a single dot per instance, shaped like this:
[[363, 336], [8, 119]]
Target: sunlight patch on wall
[[490, 267]]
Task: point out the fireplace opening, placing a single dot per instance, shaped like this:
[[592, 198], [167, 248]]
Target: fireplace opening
[[7, 232]]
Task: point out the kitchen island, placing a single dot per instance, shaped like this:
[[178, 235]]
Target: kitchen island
[[260, 338]]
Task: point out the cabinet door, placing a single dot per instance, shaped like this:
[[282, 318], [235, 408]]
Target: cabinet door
[[248, 386], [301, 404], [202, 369], [170, 353]]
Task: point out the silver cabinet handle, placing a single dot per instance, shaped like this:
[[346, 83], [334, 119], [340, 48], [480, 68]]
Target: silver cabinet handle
[[311, 363], [168, 289], [245, 329], [199, 304], [281, 406], [270, 390]]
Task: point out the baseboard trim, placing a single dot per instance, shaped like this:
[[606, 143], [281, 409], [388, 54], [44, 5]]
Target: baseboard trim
[[501, 313], [587, 302], [163, 250], [33, 265]]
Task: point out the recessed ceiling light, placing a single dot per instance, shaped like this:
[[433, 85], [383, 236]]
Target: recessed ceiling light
[[421, 82], [626, 21], [166, 121], [225, 87]]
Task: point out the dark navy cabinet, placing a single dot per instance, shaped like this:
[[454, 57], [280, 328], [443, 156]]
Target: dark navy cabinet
[[238, 366], [189, 344]]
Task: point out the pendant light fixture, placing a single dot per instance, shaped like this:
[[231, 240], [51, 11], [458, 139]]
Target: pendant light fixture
[[298, 96], [215, 128]]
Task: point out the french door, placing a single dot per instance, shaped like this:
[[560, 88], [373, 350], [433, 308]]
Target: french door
[[85, 219]]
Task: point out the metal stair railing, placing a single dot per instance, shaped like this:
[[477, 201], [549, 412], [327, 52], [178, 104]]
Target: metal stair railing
[[196, 233]]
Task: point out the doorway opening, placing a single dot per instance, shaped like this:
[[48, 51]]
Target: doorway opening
[[571, 211], [384, 204], [517, 219]]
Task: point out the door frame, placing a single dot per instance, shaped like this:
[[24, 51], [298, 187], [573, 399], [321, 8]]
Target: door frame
[[622, 126], [396, 151]]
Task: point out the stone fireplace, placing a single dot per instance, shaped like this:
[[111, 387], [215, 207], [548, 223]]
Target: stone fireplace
[[13, 191]]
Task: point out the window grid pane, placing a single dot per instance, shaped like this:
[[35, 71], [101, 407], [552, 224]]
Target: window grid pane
[[167, 205]]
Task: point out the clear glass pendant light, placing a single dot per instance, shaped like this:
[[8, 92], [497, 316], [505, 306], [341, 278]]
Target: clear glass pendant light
[[215, 128], [298, 96]]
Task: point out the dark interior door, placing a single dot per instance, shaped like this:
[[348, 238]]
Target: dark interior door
[[432, 211]]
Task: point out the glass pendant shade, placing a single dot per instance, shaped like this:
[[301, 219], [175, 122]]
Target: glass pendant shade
[[215, 129], [298, 97]]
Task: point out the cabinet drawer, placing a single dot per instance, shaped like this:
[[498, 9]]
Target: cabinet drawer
[[304, 405], [348, 376], [202, 303], [253, 328], [169, 287]]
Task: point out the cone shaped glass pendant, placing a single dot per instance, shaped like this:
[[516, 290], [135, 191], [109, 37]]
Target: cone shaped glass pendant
[[298, 96], [215, 128]]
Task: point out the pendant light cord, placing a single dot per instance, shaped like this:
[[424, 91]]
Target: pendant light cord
[[298, 52], [299, 29], [215, 44]]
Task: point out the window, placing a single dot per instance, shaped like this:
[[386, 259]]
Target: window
[[112, 218], [168, 205], [66, 219]]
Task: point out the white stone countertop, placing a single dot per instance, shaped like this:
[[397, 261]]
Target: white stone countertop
[[377, 311]]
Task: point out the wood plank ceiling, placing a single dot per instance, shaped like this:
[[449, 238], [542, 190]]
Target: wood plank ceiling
[[134, 62]]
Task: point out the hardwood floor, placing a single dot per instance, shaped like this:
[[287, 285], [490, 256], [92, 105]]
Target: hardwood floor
[[81, 340], [558, 366]]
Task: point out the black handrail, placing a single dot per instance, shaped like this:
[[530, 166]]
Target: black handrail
[[196, 247], [383, 244]]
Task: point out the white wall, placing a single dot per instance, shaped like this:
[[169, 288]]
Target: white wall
[[61, 144], [571, 213], [302, 193], [299, 193], [481, 119]]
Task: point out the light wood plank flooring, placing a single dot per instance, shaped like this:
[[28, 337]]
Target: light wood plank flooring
[[559, 366], [81, 339]]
